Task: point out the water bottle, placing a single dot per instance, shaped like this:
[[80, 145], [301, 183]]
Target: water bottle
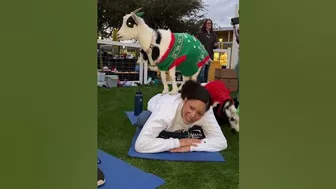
[[138, 102]]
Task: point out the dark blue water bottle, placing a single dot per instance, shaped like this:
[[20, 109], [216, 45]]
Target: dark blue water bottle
[[138, 103]]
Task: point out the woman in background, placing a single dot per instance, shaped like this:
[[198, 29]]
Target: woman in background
[[209, 39]]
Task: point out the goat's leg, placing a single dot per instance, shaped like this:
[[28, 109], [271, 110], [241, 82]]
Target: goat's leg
[[164, 82], [231, 113], [194, 77], [185, 78], [172, 76], [234, 120]]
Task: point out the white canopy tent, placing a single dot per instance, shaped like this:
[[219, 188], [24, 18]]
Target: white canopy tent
[[234, 54]]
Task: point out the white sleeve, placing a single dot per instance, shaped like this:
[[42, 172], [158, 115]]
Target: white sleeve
[[147, 141], [215, 140], [153, 102]]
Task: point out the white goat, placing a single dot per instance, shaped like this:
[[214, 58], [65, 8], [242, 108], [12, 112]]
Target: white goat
[[223, 103], [166, 50]]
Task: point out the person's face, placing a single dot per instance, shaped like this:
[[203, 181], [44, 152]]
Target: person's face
[[208, 24], [193, 110]]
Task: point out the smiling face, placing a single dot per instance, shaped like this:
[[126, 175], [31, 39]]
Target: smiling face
[[193, 110]]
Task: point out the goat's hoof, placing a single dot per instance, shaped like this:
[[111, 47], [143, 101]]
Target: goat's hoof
[[173, 92], [165, 92]]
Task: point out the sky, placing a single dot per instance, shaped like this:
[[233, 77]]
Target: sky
[[220, 11]]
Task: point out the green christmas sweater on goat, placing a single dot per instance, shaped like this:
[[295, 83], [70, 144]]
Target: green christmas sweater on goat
[[186, 53]]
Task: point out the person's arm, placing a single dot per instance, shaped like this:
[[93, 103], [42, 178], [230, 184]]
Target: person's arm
[[215, 140], [147, 141]]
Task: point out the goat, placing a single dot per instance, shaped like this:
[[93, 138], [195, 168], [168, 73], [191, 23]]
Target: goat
[[165, 50], [223, 104]]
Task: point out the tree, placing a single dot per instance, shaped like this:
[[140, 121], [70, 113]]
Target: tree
[[110, 13], [177, 15]]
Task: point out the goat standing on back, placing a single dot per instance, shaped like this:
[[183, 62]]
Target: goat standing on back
[[166, 50]]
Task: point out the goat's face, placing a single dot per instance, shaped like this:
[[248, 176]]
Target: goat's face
[[129, 28]]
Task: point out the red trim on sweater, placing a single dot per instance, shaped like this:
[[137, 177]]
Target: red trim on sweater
[[178, 61], [200, 64], [171, 45]]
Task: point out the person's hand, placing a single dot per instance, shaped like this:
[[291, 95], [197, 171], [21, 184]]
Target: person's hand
[[189, 142], [181, 149]]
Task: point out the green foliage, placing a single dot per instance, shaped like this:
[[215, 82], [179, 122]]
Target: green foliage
[[177, 15]]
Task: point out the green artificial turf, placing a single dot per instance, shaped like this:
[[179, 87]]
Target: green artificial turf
[[115, 133]]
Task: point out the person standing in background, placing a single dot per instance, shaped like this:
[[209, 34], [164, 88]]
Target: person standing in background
[[209, 39]]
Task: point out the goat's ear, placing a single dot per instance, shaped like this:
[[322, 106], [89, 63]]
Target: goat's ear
[[135, 18]]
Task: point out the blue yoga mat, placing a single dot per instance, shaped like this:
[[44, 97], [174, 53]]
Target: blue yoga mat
[[169, 156], [131, 117], [120, 175]]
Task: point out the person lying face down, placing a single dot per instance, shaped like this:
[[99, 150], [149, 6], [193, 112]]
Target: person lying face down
[[180, 123]]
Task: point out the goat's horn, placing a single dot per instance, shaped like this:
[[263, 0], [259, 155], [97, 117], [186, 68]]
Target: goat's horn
[[137, 10]]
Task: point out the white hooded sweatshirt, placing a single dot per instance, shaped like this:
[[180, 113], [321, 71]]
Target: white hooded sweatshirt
[[166, 116]]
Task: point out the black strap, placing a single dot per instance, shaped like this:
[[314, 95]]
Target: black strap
[[195, 132]]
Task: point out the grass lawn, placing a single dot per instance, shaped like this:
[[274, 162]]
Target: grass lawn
[[115, 133]]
